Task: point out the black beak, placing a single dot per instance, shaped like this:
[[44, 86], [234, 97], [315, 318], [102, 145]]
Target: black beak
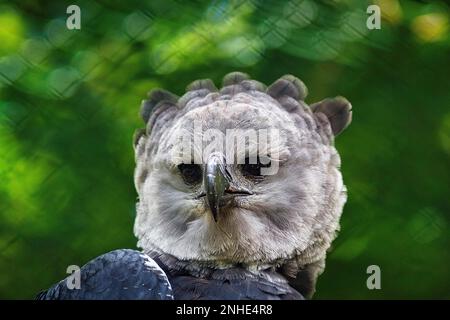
[[216, 181]]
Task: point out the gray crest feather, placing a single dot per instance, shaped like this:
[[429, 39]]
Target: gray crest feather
[[234, 78], [157, 98], [162, 107], [290, 86], [202, 84], [338, 112]]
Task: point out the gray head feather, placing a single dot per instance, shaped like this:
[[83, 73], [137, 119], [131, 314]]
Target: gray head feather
[[292, 215]]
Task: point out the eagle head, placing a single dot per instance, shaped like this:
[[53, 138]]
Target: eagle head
[[244, 175]]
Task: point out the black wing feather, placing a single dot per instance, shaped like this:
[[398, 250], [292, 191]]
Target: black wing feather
[[192, 288], [118, 275]]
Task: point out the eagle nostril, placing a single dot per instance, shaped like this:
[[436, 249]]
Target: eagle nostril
[[240, 191]]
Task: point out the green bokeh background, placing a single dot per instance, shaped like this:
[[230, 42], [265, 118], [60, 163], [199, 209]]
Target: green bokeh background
[[69, 102]]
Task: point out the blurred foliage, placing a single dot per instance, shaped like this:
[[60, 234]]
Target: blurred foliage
[[69, 103]]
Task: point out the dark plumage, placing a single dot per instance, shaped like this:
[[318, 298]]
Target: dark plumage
[[118, 275], [224, 284], [131, 275]]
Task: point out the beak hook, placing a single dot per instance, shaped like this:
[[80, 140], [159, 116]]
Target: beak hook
[[216, 181]]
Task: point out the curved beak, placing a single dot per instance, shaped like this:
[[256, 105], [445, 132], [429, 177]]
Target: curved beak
[[216, 181]]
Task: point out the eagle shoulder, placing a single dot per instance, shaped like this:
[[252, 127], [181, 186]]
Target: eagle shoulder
[[123, 274]]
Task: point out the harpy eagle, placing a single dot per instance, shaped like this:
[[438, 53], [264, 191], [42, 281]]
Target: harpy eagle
[[215, 226]]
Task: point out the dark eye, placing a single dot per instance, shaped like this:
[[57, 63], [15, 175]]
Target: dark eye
[[192, 173], [253, 170]]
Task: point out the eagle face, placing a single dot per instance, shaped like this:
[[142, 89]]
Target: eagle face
[[245, 175]]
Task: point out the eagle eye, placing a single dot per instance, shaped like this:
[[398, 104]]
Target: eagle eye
[[191, 173], [253, 170]]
